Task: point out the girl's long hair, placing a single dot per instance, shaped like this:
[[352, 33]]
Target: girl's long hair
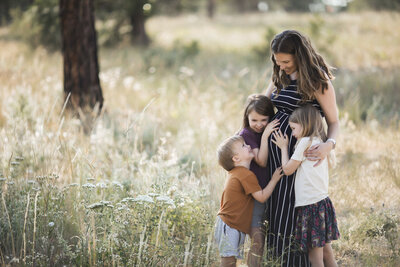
[[310, 120], [314, 72], [260, 104]]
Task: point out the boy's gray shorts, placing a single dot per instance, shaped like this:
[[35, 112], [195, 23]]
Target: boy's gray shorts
[[259, 214], [230, 241]]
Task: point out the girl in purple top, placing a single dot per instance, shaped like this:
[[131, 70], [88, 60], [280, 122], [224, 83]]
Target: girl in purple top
[[255, 132]]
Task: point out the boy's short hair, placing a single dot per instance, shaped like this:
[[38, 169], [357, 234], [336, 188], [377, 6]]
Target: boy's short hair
[[225, 152]]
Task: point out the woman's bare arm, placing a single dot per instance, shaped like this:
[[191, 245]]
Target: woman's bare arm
[[327, 101], [270, 88]]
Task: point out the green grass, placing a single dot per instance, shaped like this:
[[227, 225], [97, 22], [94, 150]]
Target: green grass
[[144, 187]]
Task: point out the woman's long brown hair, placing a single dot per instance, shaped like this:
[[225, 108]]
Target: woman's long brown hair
[[314, 72]]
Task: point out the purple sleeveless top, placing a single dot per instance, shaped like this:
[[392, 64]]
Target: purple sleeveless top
[[253, 139]]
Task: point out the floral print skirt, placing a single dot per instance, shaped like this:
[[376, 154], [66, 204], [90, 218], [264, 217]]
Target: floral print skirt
[[316, 225]]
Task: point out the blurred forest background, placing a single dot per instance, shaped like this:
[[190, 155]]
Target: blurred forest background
[[141, 185]]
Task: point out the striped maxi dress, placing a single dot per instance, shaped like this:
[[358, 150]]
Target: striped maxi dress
[[281, 214]]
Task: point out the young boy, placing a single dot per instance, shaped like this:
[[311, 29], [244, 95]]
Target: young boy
[[234, 216]]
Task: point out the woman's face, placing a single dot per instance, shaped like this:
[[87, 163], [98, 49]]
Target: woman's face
[[286, 62]]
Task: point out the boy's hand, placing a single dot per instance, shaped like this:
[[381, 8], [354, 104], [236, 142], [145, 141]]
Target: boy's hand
[[271, 127], [280, 140], [277, 174]]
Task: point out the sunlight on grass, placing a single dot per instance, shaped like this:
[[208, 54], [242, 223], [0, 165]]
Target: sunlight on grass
[[367, 39], [144, 187]]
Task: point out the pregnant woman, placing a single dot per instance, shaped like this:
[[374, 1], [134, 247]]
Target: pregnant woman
[[300, 76]]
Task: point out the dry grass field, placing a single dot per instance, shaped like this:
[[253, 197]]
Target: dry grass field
[[143, 188]]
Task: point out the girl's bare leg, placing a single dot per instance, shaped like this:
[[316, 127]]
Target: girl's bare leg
[[256, 247], [329, 257], [228, 261], [316, 256]]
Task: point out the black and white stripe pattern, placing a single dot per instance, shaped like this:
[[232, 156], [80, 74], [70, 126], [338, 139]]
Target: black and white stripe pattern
[[281, 214]]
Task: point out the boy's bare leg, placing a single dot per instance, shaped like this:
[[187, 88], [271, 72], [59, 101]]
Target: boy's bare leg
[[316, 256], [228, 261], [256, 247], [329, 257]]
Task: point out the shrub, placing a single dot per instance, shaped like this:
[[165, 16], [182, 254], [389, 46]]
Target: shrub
[[39, 25]]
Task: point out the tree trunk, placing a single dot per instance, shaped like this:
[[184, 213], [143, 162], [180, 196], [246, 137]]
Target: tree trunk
[[138, 19], [79, 46], [5, 16], [211, 8], [241, 6]]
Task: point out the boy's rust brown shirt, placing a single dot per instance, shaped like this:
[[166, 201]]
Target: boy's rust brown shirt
[[237, 202]]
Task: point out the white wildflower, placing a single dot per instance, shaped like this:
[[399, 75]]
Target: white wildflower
[[187, 71], [128, 199], [137, 86], [89, 185], [226, 74], [172, 189], [14, 260], [152, 70], [144, 198], [122, 207], [101, 185], [117, 184], [95, 205], [128, 81], [100, 204], [167, 200], [51, 224]]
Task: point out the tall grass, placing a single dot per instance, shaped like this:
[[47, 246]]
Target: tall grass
[[143, 188]]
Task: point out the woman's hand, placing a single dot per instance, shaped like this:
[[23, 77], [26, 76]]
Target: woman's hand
[[280, 140], [318, 152], [271, 127]]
